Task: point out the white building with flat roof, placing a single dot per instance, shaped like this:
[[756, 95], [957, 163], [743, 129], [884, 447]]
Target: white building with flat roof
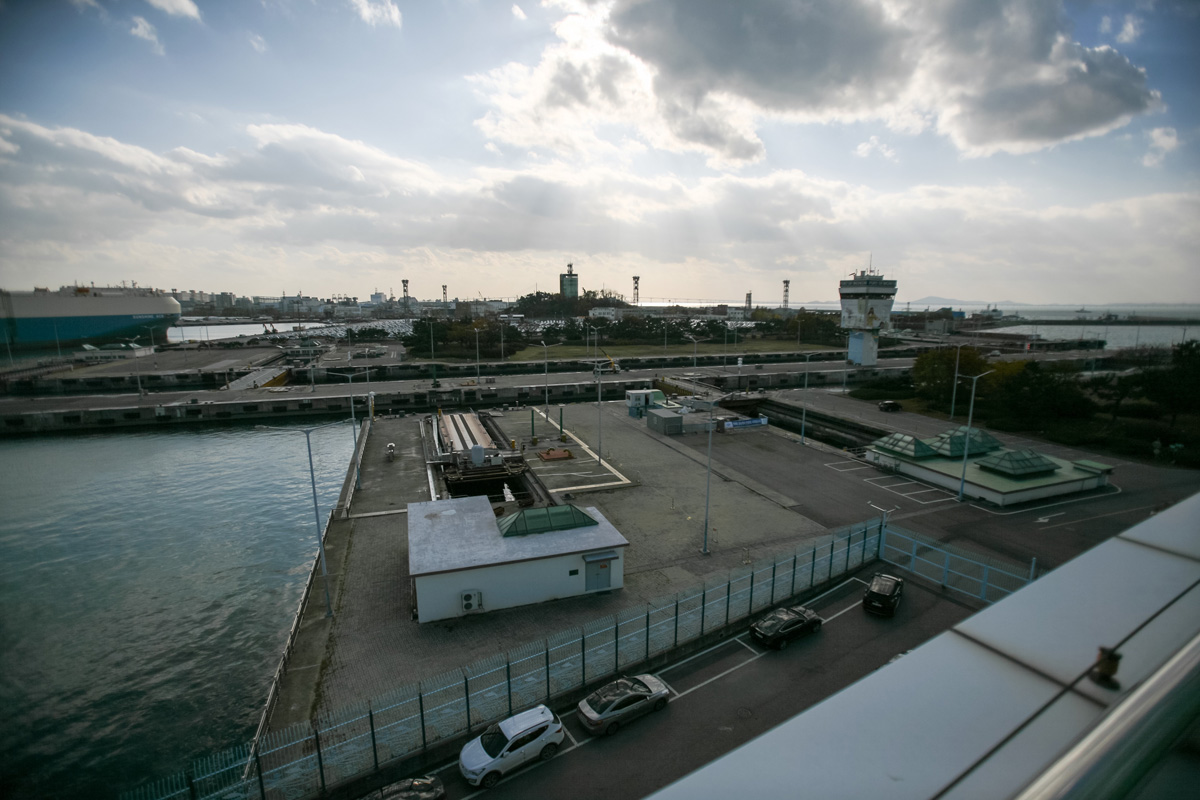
[[463, 560]]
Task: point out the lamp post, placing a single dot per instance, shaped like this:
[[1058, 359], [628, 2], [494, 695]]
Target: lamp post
[[477, 355], [804, 406], [546, 357], [351, 377], [137, 372], [316, 513], [884, 514], [708, 479], [954, 390], [967, 436], [599, 371]]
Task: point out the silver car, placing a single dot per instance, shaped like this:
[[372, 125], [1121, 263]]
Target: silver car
[[521, 739], [617, 703]]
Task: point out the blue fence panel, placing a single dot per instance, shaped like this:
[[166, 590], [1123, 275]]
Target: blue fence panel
[[565, 652], [661, 634], [761, 586], [487, 689], [445, 701], [289, 763], [689, 615], [347, 748], [530, 681], [599, 648], [716, 604], [631, 636], [398, 722], [739, 594]]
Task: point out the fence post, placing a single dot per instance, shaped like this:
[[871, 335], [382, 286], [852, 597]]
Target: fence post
[[617, 643], [983, 595], [547, 649], [421, 710], [774, 564], [946, 571], [583, 655], [676, 620], [832, 549], [320, 762], [262, 789], [849, 539], [467, 698], [750, 608], [812, 571], [792, 593], [729, 596], [508, 681], [374, 746], [647, 631], [862, 557], [1032, 569], [703, 608], [191, 784], [879, 544]]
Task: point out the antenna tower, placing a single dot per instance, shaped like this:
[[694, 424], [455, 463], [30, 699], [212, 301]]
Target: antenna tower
[[635, 289], [747, 302], [443, 293], [786, 286]]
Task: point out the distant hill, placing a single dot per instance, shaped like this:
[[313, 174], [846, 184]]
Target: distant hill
[[940, 302]]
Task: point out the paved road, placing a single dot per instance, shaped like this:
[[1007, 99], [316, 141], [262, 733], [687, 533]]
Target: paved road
[[726, 696]]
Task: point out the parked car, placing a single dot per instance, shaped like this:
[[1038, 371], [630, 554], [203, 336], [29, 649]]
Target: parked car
[[784, 624], [883, 595], [521, 739], [890, 405], [426, 788], [622, 701]]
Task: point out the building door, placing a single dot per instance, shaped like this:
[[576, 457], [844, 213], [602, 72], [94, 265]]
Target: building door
[[597, 575]]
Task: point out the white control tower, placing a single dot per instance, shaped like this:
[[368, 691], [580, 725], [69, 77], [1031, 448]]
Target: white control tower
[[866, 310]]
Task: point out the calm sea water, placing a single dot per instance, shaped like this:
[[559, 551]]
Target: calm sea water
[[149, 582]]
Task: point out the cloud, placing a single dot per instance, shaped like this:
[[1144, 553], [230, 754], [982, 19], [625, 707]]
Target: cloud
[[874, 145], [1106, 24], [1162, 141], [177, 8], [377, 12], [144, 30], [297, 203], [1131, 30], [517, 12], [703, 75], [258, 43], [83, 4]]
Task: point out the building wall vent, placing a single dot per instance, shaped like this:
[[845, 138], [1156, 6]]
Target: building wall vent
[[471, 600]]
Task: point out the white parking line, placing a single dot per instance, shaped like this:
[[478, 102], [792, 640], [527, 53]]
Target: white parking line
[[670, 689], [723, 674], [857, 604], [569, 736]]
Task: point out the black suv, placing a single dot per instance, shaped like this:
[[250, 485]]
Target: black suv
[[883, 595], [890, 405]]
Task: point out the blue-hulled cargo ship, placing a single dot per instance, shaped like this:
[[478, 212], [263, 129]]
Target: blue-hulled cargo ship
[[76, 315]]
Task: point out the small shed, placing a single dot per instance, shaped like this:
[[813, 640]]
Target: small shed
[[462, 560]]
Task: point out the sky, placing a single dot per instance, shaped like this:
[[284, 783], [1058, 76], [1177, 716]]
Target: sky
[[1029, 151]]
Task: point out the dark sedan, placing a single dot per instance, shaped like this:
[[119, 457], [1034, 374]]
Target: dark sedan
[[784, 624], [883, 595]]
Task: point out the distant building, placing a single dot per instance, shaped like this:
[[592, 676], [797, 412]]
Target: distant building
[[568, 283]]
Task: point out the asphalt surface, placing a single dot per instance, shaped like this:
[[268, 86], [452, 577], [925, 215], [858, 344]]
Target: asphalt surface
[[726, 696]]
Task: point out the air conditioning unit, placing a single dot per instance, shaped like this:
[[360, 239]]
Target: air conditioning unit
[[470, 600]]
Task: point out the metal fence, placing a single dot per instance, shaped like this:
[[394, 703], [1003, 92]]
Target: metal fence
[[985, 578], [303, 761]]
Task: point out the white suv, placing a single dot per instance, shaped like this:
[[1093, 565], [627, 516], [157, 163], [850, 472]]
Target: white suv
[[520, 739]]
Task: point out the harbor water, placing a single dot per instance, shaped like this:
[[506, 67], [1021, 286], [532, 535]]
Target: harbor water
[[150, 580]]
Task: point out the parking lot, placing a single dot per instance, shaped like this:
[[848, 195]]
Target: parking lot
[[728, 694]]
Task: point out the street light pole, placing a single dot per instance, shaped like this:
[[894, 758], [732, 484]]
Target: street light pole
[[967, 436], [954, 390], [546, 357], [316, 512], [804, 406], [708, 479], [477, 355]]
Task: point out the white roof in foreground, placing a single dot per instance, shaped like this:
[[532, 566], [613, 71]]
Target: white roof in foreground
[[981, 710], [449, 535]]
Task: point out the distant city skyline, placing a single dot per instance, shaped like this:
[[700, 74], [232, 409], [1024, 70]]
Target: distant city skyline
[[1024, 151]]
